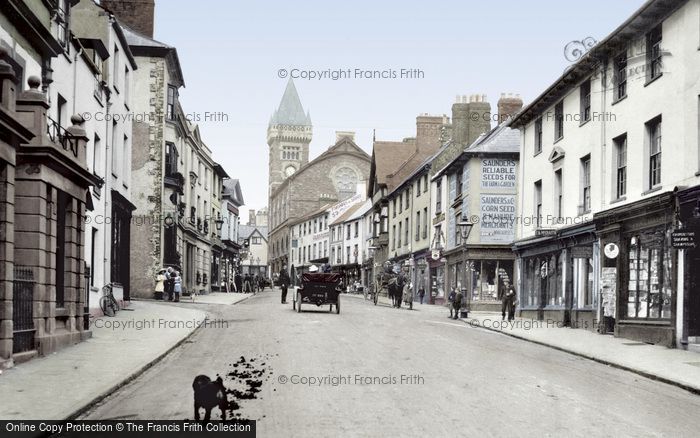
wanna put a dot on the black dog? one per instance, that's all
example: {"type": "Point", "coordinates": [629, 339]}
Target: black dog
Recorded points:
{"type": "Point", "coordinates": [208, 394]}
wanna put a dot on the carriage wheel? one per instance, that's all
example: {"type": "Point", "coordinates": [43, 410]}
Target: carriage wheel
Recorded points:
{"type": "Point", "coordinates": [298, 302]}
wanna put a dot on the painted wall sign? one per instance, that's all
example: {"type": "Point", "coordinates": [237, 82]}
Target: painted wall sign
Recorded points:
{"type": "Point", "coordinates": [498, 173]}
{"type": "Point", "coordinates": [497, 218]}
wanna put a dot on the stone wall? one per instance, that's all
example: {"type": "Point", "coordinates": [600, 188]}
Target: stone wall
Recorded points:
{"type": "Point", "coordinates": [147, 181]}
{"type": "Point", "coordinates": [37, 222]}
{"type": "Point", "coordinates": [7, 212]}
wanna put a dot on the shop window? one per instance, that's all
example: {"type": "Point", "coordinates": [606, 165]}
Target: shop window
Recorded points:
{"type": "Point", "coordinates": [553, 271]}
{"type": "Point", "coordinates": [583, 282]}
{"type": "Point", "coordinates": [649, 289]}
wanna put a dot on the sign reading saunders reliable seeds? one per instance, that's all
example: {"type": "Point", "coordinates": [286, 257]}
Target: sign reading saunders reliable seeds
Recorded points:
{"type": "Point", "coordinates": [498, 173]}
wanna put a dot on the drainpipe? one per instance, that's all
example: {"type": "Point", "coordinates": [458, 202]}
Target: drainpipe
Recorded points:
{"type": "Point", "coordinates": [107, 185]}
{"type": "Point", "coordinates": [75, 77]}
{"type": "Point", "coordinates": [603, 193]}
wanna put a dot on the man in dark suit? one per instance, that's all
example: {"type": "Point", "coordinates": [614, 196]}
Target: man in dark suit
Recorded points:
{"type": "Point", "coordinates": [508, 303]}
{"type": "Point", "coordinates": [457, 303]}
{"type": "Point", "coordinates": [284, 283]}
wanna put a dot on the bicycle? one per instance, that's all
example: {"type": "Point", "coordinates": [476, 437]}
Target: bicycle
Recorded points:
{"type": "Point", "coordinates": [108, 303]}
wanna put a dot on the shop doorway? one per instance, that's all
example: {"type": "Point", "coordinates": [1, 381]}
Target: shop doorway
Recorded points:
{"type": "Point", "coordinates": [693, 291]}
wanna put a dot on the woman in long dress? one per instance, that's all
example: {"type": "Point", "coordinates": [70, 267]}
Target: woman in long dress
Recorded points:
{"type": "Point", "coordinates": [160, 284]}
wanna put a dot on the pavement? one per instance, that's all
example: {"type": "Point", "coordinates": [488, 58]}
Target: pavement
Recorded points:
{"type": "Point", "coordinates": [378, 371]}
{"type": "Point", "coordinates": [61, 385]}
{"type": "Point", "coordinates": [669, 365]}
{"type": "Point", "coordinates": [419, 372]}
{"type": "Point", "coordinates": [216, 298]}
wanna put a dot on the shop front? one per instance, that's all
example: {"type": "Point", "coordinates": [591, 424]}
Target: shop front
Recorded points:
{"type": "Point", "coordinates": [640, 263]}
{"type": "Point", "coordinates": [488, 269]}
{"type": "Point", "coordinates": [687, 240]}
{"type": "Point", "coordinates": [420, 276]}
{"type": "Point", "coordinates": [558, 277]}
{"type": "Point", "coordinates": [436, 271]}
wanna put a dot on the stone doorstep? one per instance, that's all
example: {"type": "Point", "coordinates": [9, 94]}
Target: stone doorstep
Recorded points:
{"type": "Point", "coordinates": [24, 356]}
{"type": "Point", "coordinates": [6, 364]}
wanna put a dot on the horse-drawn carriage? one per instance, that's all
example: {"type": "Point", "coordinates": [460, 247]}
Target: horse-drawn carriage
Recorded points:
{"type": "Point", "coordinates": [394, 284]}
{"type": "Point", "coordinates": [319, 289]}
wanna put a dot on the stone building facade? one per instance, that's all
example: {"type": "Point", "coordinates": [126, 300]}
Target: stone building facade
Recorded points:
{"type": "Point", "coordinates": [156, 167]}
{"type": "Point", "coordinates": [45, 186]}
{"type": "Point", "coordinates": [299, 186]}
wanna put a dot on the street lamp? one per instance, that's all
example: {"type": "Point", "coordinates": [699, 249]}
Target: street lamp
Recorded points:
{"type": "Point", "coordinates": [465, 228]}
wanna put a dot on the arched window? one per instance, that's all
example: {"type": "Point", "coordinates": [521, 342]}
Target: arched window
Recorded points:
{"type": "Point", "coordinates": [346, 182]}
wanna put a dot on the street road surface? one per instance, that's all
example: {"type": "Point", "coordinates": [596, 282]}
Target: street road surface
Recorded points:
{"type": "Point", "coordinates": [379, 371]}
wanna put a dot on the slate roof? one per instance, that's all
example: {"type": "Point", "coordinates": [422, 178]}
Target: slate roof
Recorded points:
{"type": "Point", "coordinates": [290, 110]}
{"type": "Point", "coordinates": [501, 139]}
{"type": "Point", "coordinates": [232, 188]}
{"type": "Point", "coordinates": [245, 231]}
{"type": "Point", "coordinates": [141, 44]}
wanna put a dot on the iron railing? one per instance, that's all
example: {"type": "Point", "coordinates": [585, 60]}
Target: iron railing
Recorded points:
{"type": "Point", "coordinates": [22, 310]}
{"type": "Point", "coordinates": [59, 135]}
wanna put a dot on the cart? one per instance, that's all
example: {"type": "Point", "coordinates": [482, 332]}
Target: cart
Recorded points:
{"type": "Point", "coordinates": [318, 289]}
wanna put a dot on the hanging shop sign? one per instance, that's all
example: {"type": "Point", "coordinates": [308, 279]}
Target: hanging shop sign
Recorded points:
{"type": "Point", "coordinates": [611, 250]}
{"type": "Point", "coordinates": [684, 239]}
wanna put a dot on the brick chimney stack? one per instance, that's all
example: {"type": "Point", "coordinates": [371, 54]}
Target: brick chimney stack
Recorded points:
{"type": "Point", "coordinates": [136, 14]}
{"type": "Point", "coordinates": [508, 106]}
{"type": "Point", "coordinates": [471, 117]}
{"type": "Point", "coordinates": [429, 131]}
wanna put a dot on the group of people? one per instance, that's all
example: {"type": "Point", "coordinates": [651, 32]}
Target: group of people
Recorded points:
{"type": "Point", "coordinates": [168, 285]}
{"type": "Point", "coordinates": [253, 283]}
{"type": "Point", "coordinates": [454, 302]}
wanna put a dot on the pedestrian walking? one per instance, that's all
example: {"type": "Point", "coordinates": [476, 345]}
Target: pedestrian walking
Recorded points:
{"type": "Point", "coordinates": [238, 281]}
{"type": "Point", "coordinates": [451, 300]}
{"type": "Point", "coordinates": [284, 283]}
{"type": "Point", "coordinates": [421, 294]}
{"type": "Point", "coordinates": [457, 304]}
{"type": "Point", "coordinates": [508, 303]}
{"type": "Point", "coordinates": [234, 286]}
{"type": "Point", "coordinates": [160, 284]}
{"type": "Point", "coordinates": [246, 283]}
{"type": "Point", "coordinates": [177, 286]}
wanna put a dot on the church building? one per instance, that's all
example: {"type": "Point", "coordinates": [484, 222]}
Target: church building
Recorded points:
{"type": "Point", "coordinates": [299, 186]}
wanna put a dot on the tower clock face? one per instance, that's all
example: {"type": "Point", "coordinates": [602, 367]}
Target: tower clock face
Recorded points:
{"type": "Point", "coordinates": [289, 171]}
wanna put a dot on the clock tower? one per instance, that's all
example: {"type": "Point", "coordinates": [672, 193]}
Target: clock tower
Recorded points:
{"type": "Point", "coordinates": [288, 136]}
